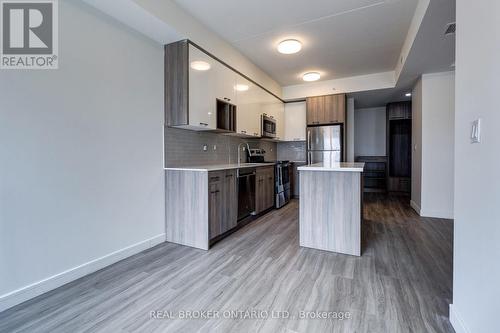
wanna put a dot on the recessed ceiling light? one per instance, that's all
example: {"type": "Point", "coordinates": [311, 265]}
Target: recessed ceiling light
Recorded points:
{"type": "Point", "coordinates": [289, 46]}
{"type": "Point", "coordinates": [408, 94]}
{"type": "Point", "coordinates": [311, 76]}
{"type": "Point", "coordinates": [199, 65]}
{"type": "Point", "coordinates": [241, 87]}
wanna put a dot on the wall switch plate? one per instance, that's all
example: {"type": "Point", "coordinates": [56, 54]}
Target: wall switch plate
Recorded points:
{"type": "Point", "coordinates": [205, 147]}
{"type": "Point", "coordinates": [475, 136]}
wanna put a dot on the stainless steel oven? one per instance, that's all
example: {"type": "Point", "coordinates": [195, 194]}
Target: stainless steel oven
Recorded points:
{"type": "Point", "coordinates": [268, 128]}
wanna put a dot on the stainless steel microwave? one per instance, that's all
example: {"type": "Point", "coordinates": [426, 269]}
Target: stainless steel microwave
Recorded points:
{"type": "Point", "coordinates": [268, 127]}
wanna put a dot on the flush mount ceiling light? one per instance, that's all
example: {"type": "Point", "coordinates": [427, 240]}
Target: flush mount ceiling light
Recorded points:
{"type": "Point", "coordinates": [241, 87]}
{"type": "Point", "coordinates": [199, 65]}
{"type": "Point", "coordinates": [311, 76]}
{"type": "Point", "coordinates": [408, 94]}
{"type": "Point", "coordinates": [289, 46]}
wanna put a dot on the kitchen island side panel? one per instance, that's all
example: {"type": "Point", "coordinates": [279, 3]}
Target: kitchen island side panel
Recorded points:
{"type": "Point", "coordinates": [330, 211]}
{"type": "Point", "coordinates": [186, 210]}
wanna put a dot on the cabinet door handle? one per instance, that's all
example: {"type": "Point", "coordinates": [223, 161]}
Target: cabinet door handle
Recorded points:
{"type": "Point", "coordinates": [244, 132]}
{"type": "Point", "coordinates": [203, 124]}
{"type": "Point", "coordinates": [213, 192]}
{"type": "Point", "coordinates": [214, 179]}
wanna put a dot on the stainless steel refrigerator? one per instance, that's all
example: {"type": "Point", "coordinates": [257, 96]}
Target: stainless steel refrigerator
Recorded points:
{"type": "Point", "coordinates": [324, 144]}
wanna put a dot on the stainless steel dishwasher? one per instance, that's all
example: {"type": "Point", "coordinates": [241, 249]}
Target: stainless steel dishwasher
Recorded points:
{"type": "Point", "coordinates": [246, 192]}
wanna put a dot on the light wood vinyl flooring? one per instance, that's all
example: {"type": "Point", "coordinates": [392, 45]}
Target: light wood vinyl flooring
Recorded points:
{"type": "Point", "coordinates": [401, 283]}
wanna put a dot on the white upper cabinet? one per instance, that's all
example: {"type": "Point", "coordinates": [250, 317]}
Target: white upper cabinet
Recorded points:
{"type": "Point", "coordinates": [248, 96]}
{"type": "Point", "coordinates": [202, 94]}
{"type": "Point", "coordinates": [195, 80]}
{"type": "Point", "coordinates": [295, 121]}
{"type": "Point", "coordinates": [225, 83]}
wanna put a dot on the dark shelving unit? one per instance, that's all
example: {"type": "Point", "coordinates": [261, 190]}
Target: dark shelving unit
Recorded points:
{"type": "Point", "coordinates": [375, 173]}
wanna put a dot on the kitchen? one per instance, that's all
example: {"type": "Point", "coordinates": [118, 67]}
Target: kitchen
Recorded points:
{"type": "Point", "coordinates": [205, 203]}
{"type": "Point", "coordinates": [191, 156]}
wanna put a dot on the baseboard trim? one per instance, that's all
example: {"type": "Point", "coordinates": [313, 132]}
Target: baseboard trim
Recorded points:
{"type": "Point", "coordinates": [415, 206]}
{"type": "Point", "coordinates": [38, 288]}
{"type": "Point", "coordinates": [437, 214]}
{"type": "Point", "coordinates": [456, 320]}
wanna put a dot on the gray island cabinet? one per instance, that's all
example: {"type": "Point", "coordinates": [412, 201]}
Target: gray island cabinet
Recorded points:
{"type": "Point", "coordinates": [331, 207]}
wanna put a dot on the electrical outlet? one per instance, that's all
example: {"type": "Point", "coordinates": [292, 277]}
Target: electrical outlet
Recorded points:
{"type": "Point", "coordinates": [205, 147]}
{"type": "Point", "coordinates": [475, 136]}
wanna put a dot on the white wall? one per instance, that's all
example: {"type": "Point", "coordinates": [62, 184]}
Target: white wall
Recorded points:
{"type": "Point", "coordinates": [433, 145]}
{"type": "Point", "coordinates": [370, 132]}
{"type": "Point", "coordinates": [416, 141]}
{"type": "Point", "coordinates": [476, 269]}
{"type": "Point", "coordinates": [81, 168]}
{"type": "Point", "coordinates": [438, 144]}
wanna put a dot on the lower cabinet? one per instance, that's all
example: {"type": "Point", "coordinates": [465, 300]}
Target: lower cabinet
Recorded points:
{"type": "Point", "coordinates": [264, 189]}
{"type": "Point", "coordinates": [201, 205]}
{"type": "Point", "coordinates": [222, 202]}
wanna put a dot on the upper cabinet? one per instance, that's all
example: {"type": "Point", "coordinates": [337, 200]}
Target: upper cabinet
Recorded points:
{"type": "Point", "coordinates": [324, 110]}
{"type": "Point", "coordinates": [225, 81]}
{"type": "Point", "coordinates": [202, 92]}
{"type": "Point", "coordinates": [195, 80]}
{"type": "Point", "coordinates": [295, 121]}
{"type": "Point", "coordinates": [248, 96]}
{"type": "Point", "coordinates": [399, 110]}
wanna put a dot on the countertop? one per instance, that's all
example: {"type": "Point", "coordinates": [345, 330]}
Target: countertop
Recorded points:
{"type": "Point", "coordinates": [340, 166]}
{"type": "Point", "coordinates": [218, 167]}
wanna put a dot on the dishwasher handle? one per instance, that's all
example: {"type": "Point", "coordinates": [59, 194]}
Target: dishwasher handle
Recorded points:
{"type": "Point", "coordinates": [246, 174]}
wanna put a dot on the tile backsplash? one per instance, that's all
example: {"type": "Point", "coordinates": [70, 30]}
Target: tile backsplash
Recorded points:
{"type": "Point", "coordinates": [292, 151]}
{"type": "Point", "coordinates": [185, 148]}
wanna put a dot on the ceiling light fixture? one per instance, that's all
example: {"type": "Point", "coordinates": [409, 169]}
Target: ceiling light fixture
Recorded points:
{"type": "Point", "coordinates": [241, 87]}
{"type": "Point", "coordinates": [408, 94]}
{"type": "Point", "coordinates": [289, 46]}
{"type": "Point", "coordinates": [200, 65]}
{"type": "Point", "coordinates": [311, 76]}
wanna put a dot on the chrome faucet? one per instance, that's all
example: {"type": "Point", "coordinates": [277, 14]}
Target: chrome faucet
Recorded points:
{"type": "Point", "coordinates": [239, 151]}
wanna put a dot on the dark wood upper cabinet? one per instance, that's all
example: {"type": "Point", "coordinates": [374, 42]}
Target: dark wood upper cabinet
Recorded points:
{"type": "Point", "coordinates": [324, 110]}
{"type": "Point", "coordinates": [399, 110]}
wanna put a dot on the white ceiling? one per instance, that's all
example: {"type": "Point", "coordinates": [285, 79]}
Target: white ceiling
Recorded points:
{"type": "Point", "coordinates": [431, 52]}
{"type": "Point", "coordinates": [341, 38]}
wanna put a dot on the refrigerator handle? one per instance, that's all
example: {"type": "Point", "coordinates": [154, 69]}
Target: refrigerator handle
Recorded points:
{"type": "Point", "coordinates": [308, 139]}
{"type": "Point", "coordinates": [309, 157]}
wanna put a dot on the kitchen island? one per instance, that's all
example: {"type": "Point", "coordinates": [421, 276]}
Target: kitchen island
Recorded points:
{"type": "Point", "coordinates": [331, 207]}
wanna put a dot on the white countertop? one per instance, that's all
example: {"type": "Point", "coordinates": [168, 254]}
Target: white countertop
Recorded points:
{"type": "Point", "coordinates": [218, 167]}
{"type": "Point", "coordinates": [339, 166]}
